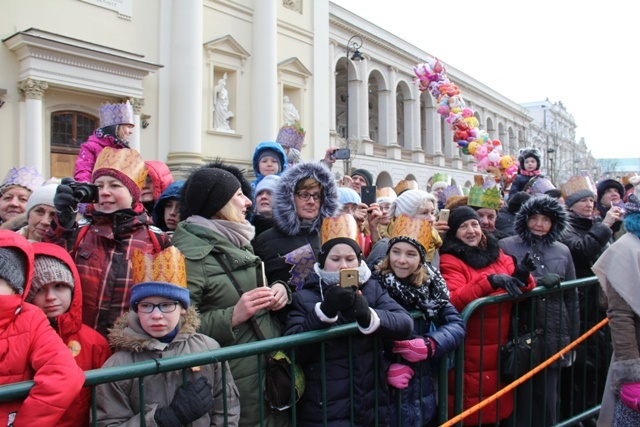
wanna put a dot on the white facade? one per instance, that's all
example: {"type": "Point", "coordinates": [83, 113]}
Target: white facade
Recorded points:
{"type": "Point", "coordinates": [166, 56]}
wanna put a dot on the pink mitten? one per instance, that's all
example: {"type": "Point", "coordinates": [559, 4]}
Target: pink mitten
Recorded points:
{"type": "Point", "coordinates": [630, 395]}
{"type": "Point", "coordinates": [413, 350]}
{"type": "Point", "coordinates": [399, 375]}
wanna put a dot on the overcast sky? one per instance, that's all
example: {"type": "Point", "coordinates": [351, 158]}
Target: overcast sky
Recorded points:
{"type": "Point", "coordinates": [583, 53]}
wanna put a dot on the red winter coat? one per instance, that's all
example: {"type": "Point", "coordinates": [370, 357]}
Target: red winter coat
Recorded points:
{"type": "Point", "coordinates": [465, 270]}
{"type": "Point", "coordinates": [160, 176]}
{"type": "Point", "coordinates": [89, 348]}
{"type": "Point", "coordinates": [31, 350]}
{"type": "Point", "coordinates": [103, 257]}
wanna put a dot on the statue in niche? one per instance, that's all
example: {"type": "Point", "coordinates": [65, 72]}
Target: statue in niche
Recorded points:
{"type": "Point", "coordinates": [290, 113]}
{"type": "Point", "coordinates": [221, 113]}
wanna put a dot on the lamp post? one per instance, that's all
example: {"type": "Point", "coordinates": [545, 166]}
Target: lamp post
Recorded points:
{"type": "Point", "coordinates": [354, 43]}
{"type": "Point", "coordinates": [550, 151]}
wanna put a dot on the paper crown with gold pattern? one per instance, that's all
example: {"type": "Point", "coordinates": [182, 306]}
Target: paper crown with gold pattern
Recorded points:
{"type": "Point", "coordinates": [412, 230]}
{"type": "Point", "coordinates": [27, 177]}
{"type": "Point", "coordinates": [404, 185]}
{"type": "Point", "coordinates": [481, 198]}
{"type": "Point", "coordinates": [385, 195]}
{"type": "Point", "coordinates": [291, 136]}
{"type": "Point", "coordinates": [576, 184]}
{"type": "Point", "coordinates": [163, 275]}
{"type": "Point", "coordinates": [341, 226]}
{"type": "Point", "coordinates": [440, 180]}
{"type": "Point", "coordinates": [116, 114]}
{"type": "Point", "coordinates": [124, 164]}
{"type": "Point", "coordinates": [540, 185]}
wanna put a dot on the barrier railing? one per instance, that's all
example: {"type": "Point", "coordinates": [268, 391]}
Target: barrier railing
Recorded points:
{"type": "Point", "coordinates": [143, 369]}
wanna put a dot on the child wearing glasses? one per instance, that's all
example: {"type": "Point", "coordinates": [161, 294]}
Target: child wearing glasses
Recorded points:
{"type": "Point", "coordinates": [162, 324]}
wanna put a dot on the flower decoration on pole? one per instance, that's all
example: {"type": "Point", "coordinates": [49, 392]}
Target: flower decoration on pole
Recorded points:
{"type": "Point", "coordinates": [431, 76]}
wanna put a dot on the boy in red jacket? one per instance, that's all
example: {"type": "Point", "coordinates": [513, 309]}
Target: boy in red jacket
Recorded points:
{"type": "Point", "coordinates": [29, 348]}
{"type": "Point", "coordinates": [56, 289]}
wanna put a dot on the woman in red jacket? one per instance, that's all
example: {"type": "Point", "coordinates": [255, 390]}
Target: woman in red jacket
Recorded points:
{"type": "Point", "coordinates": [57, 290]}
{"type": "Point", "coordinates": [474, 266]}
{"type": "Point", "coordinates": [29, 348]}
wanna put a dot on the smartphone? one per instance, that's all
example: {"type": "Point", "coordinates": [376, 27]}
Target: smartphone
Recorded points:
{"type": "Point", "coordinates": [349, 277]}
{"type": "Point", "coordinates": [342, 154]}
{"type": "Point", "coordinates": [444, 215]}
{"type": "Point", "coordinates": [368, 194]}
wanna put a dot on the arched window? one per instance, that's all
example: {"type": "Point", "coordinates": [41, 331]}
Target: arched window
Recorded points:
{"type": "Point", "coordinates": [69, 129]}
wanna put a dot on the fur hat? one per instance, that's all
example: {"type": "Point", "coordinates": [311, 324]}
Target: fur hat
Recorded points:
{"type": "Point", "coordinates": [409, 202]}
{"type": "Point", "coordinates": [606, 184]}
{"type": "Point", "coordinates": [41, 196]}
{"type": "Point", "coordinates": [268, 183]}
{"type": "Point", "coordinates": [525, 153]}
{"type": "Point", "coordinates": [458, 216]}
{"type": "Point", "coordinates": [210, 187]}
{"type": "Point", "coordinates": [542, 205]}
{"type": "Point", "coordinates": [12, 268]}
{"type": "Point", "coordinates": [46, 270]}
{"type": "Point", "coordinates": [365, 174]}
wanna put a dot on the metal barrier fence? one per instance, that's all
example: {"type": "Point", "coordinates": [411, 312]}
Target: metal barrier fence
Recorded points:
{"type": "Point", "coordinates": [579, 408]}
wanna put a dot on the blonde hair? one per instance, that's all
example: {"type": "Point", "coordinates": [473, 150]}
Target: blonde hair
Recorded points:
{"type": "Point", "coordinates": [230, 213]}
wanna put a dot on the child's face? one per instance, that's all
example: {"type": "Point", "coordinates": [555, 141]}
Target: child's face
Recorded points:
{"type": "Point", "coordinates": [5, 288]}
{"type": "Point", "coordinates": [125, 132]}
{"type": "Point", "coordinates": [54, 299]}
{"type": "Point", "coordinates": [112, 195]}
{"type": "Point", "coordinates": [159, 324]}
{"type": "Point", "coordinates": [404, 259]}
{"type": "Point", "coordinates": [172, 214]}
{"type": "Point", "coordinates": [146, 194]}
{"type": "Point", "coordinates": [268, 166]}
{"type": "Point", "coordinates": [530, 164]}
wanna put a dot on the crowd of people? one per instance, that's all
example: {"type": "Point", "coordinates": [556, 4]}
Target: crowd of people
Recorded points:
{"type": "Point", "coordinates": [122, 264]}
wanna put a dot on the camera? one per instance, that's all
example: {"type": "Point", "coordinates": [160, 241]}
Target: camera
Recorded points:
{"type": "Point", "coordinates": [84, 192]}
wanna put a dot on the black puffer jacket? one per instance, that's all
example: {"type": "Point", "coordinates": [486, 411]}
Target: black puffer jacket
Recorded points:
{"type": "Point", "coordinates": [558, 312]}
{"type": "Point", "coordinates": [395, 324]}
{"type": "Point", "coordinates": [289, 232]}
{"type": "Point", "coordinates": [586, 239]}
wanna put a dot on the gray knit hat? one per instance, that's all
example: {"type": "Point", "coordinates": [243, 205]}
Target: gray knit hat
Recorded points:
{"type": "Point", "coordinates": [46, 270]}
{"type": "Point", "coordinates": [12, 268]}
{"type": "Point", "coordinates": [577, 196]}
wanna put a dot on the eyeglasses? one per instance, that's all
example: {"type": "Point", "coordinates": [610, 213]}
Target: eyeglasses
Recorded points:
{"type": "Point", "coordinates": [305, 196]}
{"type": "Point", "coordinates": [164, 307]}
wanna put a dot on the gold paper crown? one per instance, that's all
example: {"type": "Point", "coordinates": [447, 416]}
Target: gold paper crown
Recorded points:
{"type": "Point", "coordinates": [416, 229]}
{"type": "Point", "coordinates": [167, 266]}
{"type": "Point", "coordinates": [404, 185]}
{"type": "Point", "coordinates": [489, 198]}
{"type": "Point", "coordinates": [386, 192]}
{"type": "Point", "coordinates": [125, 160]}
{"type": "Point", "coordinates": [578, 183]}
{"type": "Point", "coordinates": [339, 226]}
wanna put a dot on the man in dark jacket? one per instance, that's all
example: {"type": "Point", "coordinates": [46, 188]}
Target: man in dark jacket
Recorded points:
{"type": "Point", "coordinates": [507, 214]}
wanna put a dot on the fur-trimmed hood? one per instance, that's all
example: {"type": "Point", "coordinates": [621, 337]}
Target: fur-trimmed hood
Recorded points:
{"type": "Point", "coordinates": [284, 213]}
{"type": "Point", "coordinates": [128, 335]}
{"type": "Point", "coordinates": [474, 256]}
{"type": "Point", "coordinates": [543, 205]}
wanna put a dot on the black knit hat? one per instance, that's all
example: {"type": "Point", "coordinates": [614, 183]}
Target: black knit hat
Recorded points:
{"type": "Point", "coordinates": [365, 174]}
{"type": "Point", "coordinates": [458, 216]}
{"type": "Point", "coordinates": [329, 244]}
{"type": "Point", "coordinates": [208, 189]}
{"type": "Point", "coordinates": [606, 184]}
{"type": "Point", "coordinates": [516, 200]}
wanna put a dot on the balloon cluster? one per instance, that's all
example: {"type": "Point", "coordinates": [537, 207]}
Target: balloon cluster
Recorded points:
{"type": "Point", "coordinates": [432, 77]}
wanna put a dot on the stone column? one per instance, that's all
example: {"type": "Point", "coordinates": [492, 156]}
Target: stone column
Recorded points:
{"type": "Point", "coordinates": [264, 73]}
{"type": "Point", "coordinates": [137, 104]}
{"type": "Point", "coordinates": [392, 113]}
{"type": "Point", "coordinates": [185, 88]}
{"type": "Point", "coordinates": [363, 101]}
{"type": "Point", "coordinates": [33, 91]}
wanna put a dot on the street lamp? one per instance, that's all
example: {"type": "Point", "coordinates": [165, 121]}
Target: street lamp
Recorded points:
{"type": "Point", "coordinates": [550, 151]}
{"type": "Point", "coordinates": [354, 43]}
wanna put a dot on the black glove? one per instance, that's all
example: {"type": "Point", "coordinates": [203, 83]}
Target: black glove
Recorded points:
{"type": "Point", "coordinates": [190, 403]}
{"type": "Point", "coordinates": [66, 205]}
{"type": "Point", "coordinates": [337, 298]}
{"type": "Point", "coordinates": [508, 283]}
{"type": "Point", "coordinates": [523, 268]}
{"type": "Point", "coordinates": [550, 280]}
{"type": "Point", "coordinates": [359, 311]}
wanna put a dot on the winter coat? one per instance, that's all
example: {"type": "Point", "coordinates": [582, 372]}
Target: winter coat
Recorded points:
{"type": "Point", "coordinates": [289, 231]}
{"type": "Point", "coordinates": [505, 220]}
{"type": "Point", "coordinates": [586, 240]}
{"type": "Point", "coordinates": [557, 313]}
{"type": "Point", "coordinates": [88, 154]}
{"type": "Point", "coordinates": [465, 269]}
{"type": "Point", "coordinates": [172, 192]}
{"type": "Point", "coordinates": [519, 182]}
{"type": "Point", "coordinates": [395, 324]}
{"type": "Point", "coordinates": [447, 330]}
{"type": "Point", "coordinates": [161, 177]}
{"type": "Point", "coordinates": [89, 348]}
{"type": "Point", "coordinates": [103, 257]}
{"type": "Point", "coordinates": [31, 350]}
{"type": "Point", "coordinates": [282, 157]}
{"type": "Point", "coordinates": [214, 296]}
{"type": "Point", "coordinates": [119, 402]}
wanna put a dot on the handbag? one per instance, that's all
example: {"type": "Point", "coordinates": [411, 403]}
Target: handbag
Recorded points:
{"type": "Point", "coordinates": [522, 352]}
{"type": "Point", "coordinates": [280, 377]}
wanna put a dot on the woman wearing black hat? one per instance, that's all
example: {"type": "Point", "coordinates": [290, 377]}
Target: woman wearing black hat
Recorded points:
{"type": "Point", "coordinates": [474, 266]}
{"type": "Point", "coordinates": [215, 237]}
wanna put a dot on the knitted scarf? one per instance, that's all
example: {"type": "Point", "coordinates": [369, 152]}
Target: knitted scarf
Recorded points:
{"type": "Point", "coordinates": [529, 173]}
{"type": "Point", "coordinates": [238, 233]}
{"type": "Point", "coordinates": [429, 297]}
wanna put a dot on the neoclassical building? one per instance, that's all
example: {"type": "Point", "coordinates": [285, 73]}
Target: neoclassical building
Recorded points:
{"type": "Point", "coordinates": [62, 59]}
